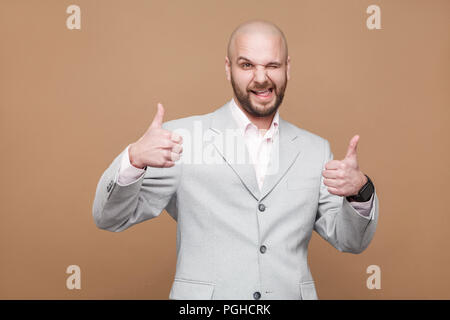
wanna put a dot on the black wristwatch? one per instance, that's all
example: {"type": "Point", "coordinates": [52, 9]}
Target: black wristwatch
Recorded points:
{"type": "Point", "coordinates": [365, 193]}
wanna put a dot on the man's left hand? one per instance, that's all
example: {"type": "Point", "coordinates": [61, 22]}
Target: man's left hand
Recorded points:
{"type": "Point", "coordinates": [343, 177]}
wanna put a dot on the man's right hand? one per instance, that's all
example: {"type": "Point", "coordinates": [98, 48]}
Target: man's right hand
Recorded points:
{"type": "Point", "coordinates": [157, 147]}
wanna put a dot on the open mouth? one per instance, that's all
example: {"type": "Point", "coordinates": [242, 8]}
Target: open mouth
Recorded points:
{"type": "Point", "coordinates": [266, 93]}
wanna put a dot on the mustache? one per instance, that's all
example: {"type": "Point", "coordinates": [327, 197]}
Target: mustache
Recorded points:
{"type": "Point", "coordinates": [262, 87]}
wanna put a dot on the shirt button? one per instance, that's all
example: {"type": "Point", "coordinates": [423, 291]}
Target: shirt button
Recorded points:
{"type": "Point", "coordinates": [108, 188]}
{"type": "Point", "coordinates": [263, 249]}
{"type": "Point", "coordinates": [261, 207]}
{"type": "Point", "coordinates": [257, 295]}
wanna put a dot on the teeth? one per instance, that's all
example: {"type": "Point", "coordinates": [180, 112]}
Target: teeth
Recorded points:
{"type": "Point", "coordinates": [262, 93]}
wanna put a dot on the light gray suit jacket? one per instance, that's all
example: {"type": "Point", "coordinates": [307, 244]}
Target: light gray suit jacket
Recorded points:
{"type": "Point", "coordinates": [223, 219]}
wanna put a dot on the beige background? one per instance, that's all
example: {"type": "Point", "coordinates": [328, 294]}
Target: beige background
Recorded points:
{"type": "Point", "coordinates": [71, 100]}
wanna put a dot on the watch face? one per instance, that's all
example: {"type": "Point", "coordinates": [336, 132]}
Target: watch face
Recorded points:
{"type": "Point", "coordinates": [367, 191]}
{"type": "Point", "coordinates": [364, 194]}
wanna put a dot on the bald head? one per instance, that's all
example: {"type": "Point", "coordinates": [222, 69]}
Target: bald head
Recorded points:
{"type": "Point", "coordinates": [256, 28]}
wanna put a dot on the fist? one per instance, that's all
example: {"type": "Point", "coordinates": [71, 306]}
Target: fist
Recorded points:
{"type": "Point", "coordinates": [158, 147]}
{"type": "Point", "coordinates": [343, 177]}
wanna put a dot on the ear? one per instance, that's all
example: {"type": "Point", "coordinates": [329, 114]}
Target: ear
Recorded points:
{"type": "Point", "coordinates": [288, 67]}
{"type": "Point", "coordinates": [228, 68]}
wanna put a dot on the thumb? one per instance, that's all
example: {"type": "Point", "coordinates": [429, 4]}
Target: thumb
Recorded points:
{"type": "Point", "coordinates": [351, 151]}
{"type": "Point", "coordinates": [158, 119]}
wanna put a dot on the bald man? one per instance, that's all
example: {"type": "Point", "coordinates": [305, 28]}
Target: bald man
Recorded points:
{"type": "Point", "coordinates": [246, 187]}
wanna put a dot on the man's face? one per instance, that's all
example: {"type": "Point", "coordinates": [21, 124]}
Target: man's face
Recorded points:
{"type": "Point", "coordinates": [258, 72]}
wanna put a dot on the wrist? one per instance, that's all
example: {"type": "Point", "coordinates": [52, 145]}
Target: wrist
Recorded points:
{"type": "Point", "coordinates": [133, 158]}
{"type": "Point", "coordinates": [364, 180]}
{"type": "Point", "coordinates": [365, 192]}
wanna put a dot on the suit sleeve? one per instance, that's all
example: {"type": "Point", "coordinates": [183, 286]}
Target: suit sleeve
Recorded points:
{"type": "Point", "coordinates": [338, 222]}
{"type": "Point", "coordinates": [117, 207]}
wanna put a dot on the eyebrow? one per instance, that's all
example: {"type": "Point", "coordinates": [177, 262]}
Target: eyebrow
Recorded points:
{"type": "Point", "coordinates": [246, 59]}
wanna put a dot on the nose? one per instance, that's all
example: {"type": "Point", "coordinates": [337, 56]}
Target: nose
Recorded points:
{"type": "Point", "coordinates": [260, 75]}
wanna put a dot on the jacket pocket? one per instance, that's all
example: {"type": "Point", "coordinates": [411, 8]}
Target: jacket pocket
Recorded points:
{"type": "Point", "coordinates": [308, 290]}
{"type": "Point", "coordinates": [183, 289]}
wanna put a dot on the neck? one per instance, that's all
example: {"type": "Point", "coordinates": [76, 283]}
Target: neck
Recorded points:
{"type": "Point", "coordinates": [263, 123]}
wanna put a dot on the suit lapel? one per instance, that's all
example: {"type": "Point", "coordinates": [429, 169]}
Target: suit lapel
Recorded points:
{"type": "Point", "coordinates": [284, 152]}
{"type": "Point", "coordinates": [224, 126]}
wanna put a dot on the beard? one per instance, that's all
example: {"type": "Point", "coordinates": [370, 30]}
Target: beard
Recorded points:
{"type": "Point", "coordinates": [244, 98]}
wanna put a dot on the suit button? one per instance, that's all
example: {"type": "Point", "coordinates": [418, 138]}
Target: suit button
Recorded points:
{"type": "Point", "coordinates": [257, 295]}
{"type": "Point", "coordinates": [261, 207]}
{"type": "Point", "coordinates": [263, 249]}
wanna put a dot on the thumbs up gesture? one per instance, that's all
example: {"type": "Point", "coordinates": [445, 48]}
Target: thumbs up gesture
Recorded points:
{"type": "Point", "coordinates": [343, 177]}
{"type": "Point", "coordinates": [157, 147]}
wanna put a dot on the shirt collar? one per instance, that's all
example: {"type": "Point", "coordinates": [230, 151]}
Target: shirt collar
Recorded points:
{"type": "Point", "coordinates": [245, 124]}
